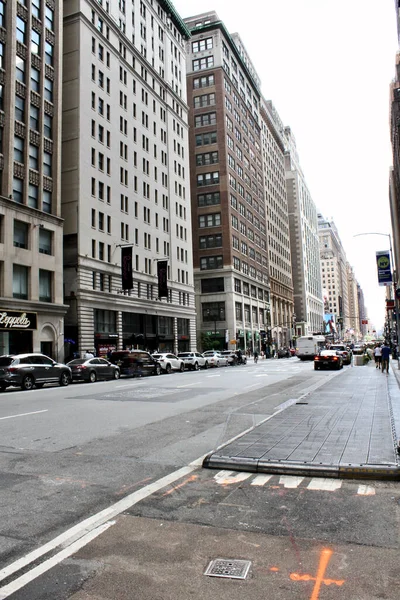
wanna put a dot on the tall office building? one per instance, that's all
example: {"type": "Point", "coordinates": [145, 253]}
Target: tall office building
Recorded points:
{"type": "Point", "coordinates": [125, 176]}
{"type": "Point", "coordinates": [228, 208]}
{"type": "Point", "coordinates": [354, 331]}
{"type": "Point", "coordinates": [334, 274]}
{"type": "Point", "coordinates": [303, 224]}
{"type": "Point", "coordinates": [283, 318]}
{"type": "Point", "coordinates": [31, 280]}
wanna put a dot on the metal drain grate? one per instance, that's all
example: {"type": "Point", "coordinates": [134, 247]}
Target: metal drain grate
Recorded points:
{"type": "Point", "coordinates": [224, 567]}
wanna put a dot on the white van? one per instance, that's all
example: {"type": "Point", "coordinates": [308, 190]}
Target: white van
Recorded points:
{"type": "Point", "coordinates": [307, 346]}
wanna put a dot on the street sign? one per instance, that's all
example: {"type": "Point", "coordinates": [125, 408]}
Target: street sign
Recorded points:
{"type": "Point", "coordinates": [383, 266]}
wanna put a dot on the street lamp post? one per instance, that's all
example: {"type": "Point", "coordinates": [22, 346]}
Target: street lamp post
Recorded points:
{"type": "Point", "coordinates": [396, 300]}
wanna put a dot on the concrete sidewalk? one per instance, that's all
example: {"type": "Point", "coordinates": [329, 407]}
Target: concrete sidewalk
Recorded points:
{"type": "Point", "coordinates": [349, 427]}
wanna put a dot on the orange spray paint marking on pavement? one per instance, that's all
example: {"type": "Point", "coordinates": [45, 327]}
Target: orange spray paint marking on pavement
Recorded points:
{"type": "Point", "coordinates": [319, 579]}
{"type": "Point", "coordinates": [176, 487]}
{"type": "Point", "coordinates": [274, 569]}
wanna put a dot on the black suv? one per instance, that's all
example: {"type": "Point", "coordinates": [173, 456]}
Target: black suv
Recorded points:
{"type": "Point", "coordinates": [29, 370]}
{"type": "Point", "coordinates": [134, 363]}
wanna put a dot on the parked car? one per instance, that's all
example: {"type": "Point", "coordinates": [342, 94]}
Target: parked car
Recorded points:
{"type": "Point", "coordinates": [169, 362]}
{"type": "Point", "coordinates": [215, 359]}
{"type": "Point", "coordinates": [135, 363]}
{"type": "Point", "coordinates": [283, 353]}
{"type": "Point", "coordinates": [344, 352]}
{"type": "Point", "coordinates": [231, 356]}
{"type": "Point", "coordinates": [29, 370]}
{"type": "Point", "coordinates": [193, 360]}
{"type": "Point", "coordinates": [92, 369]}
{"type": "Point", "coordinates": [328, 359]}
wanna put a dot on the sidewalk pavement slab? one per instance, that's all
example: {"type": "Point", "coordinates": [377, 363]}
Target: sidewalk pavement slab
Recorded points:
{"type": "Point", "coordinates": [349, 427]}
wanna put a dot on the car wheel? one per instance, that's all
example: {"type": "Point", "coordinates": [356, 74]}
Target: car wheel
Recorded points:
{"type": "Point", "coordinates": [116, 374]}
{"type": "Point", "coordinates": [64, 379]}
{"type": "Point", "coordinates": [196, 366]}
{"type": "Point", "coordinates": [206, 365]}
{"type": "Point", "coordinates": [316, 368]}
{"type": "Point", "coordinates": [39, 386]}
{"type": "Point", "coordinates": [2, 387]}
{"type": "Point", "coordinates": [92, 377]}
{"type": "Point", "coordinates": [168, 369]}
{"type": "Point", "coordinates": [217, 365]}
{"type": "Point", "coordinates": [157, 370]}
{"type": "Point", "coordinates": [182, 367]}
{"type": "Point", "coordinates": [28, 382]}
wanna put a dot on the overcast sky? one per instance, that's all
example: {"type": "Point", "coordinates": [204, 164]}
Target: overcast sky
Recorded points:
{"type": "Point", "coordinates": [327, 67]}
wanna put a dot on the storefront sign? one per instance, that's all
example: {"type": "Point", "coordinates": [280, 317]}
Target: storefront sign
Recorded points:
{"type": "Point", "coordinates": [11, 319]}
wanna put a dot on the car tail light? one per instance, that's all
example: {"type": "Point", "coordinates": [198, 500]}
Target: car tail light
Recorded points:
{"type": "Point", "coordinates": [335, 358]}
{"type": "Point", "coordinates": [12, 369]}
{"type": "Point", "coordinates": [316, 358]}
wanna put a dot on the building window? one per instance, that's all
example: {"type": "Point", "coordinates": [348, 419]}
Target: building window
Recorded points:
{"type": "Point", "coordinates": [36, 8]}
{"type": "Point", "coordinates": [45, 281]}
{"type": "Point", "coordinates": [210, 286]}
{"type": "Point", "coordinates": [205, 119]}
{"type": "Point", "coordinates": [47, 126]}
{"type": "Point", "coordinates": [210, 241]}
{"type": "Point", "coordinates": [21, 26]}
{"type": "Point", "coordinates": [21, 234]}
{"type": "Point", "coordinates": [105, 321]}
{"type": "Point", "coordinates": [48, 53]}
{"type": "Point", "coordinates": [18, 149]}
{"type": "Point", "coordinates": [35, 80]}
{"type": "Point", "coordinates": [203, 63]}
{"type": "Point", "coordinates": [204, 139]}
{"type": "Point", "coordinates": [35, 42]}
{"type": "Point", "coordinates": [34, 117]}
{"type": "Point", "coordinates": [208, 179]}
{"type": "Point", "coordinates": [213, 311]}
{"type": "Point", "coordinates": [47, 163]}
{"type": "Point", "coordinates": [20, 69]}
{"type": "Point", "coordinates": [202, 45]}
{"type": "Point", "coordinates": [33, 157]}
{"type": "Point", "coordinates": [2, 14]}
{"type": "Point", "coordinates": [49, 18]}
{"type": "Point", "coordinates": [208, 199]}
{"type": "Point", "coordinates": [48, 89]}
{"type": "Point", "coordinates": [33, 196]}
{"type": "Point", "coordinates": [212, 220]}
{"type": "Point", "coordinates": [45, 241]}
{"type": "Point", "coordinates": [20, 282]}
{"type": "Point", "coordinates": [18, 190]}
{"type": "Point", "coordinates": [211, 262]}
{"type": "Point", "coordinates": [1, 54]}
{"type": "Point", "coordinates": [19, 108]}
{"type": "Point", "coordinates": [46, 201]}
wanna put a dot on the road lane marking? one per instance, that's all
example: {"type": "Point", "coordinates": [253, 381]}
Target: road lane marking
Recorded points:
{"type": "Point", "coordinates": [324, 484]}
{"type": "Point", "coordinates": [187, 384]}
{"type": "Point", "coordinates": [78, 531]}
{"type": "Point", "coordinates": [290, 481]}
{"type": "Point", "coordinates": [213, 375]}
{"type": "Point", "coordinates": [366, 490]}
{"type": "Point", "coordinates": [19, 583]}
{"type": "Point", "coordinates": [36, 412]}
{"type": "Point", "coordinates": [261, 479]}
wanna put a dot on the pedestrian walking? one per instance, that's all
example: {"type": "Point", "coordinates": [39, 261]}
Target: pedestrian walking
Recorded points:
{"type": "Point", "coordinates": [385, 358]}
{"type": "Point", "coordinates": [378, 357]}
{"type": "Point", "coordinates": [89, 354]}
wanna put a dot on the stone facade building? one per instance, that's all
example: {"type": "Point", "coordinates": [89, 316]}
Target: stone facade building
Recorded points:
{"type": "Point", "coordinates": [31, 228]}
{"type": "Point", "coordinates": [125, 176]}
{"type": "Point", "coordinates": [303, 225]}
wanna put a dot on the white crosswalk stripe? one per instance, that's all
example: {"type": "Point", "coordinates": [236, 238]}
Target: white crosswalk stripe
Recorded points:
{"type": "Point", "coordinates": [321, 484]}
{"type": "Point", "coordinates": [261, 479]}
{"type": "Point", "coordinates": [324, 484]}
{"type": "Point", "coordinates": [289, 481]}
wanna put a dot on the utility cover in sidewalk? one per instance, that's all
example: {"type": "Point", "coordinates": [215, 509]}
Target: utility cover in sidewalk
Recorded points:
{"type": "Point", "coordinates": [224, 567]}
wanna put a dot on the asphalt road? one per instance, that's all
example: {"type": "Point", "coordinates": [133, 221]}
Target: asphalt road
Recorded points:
{"type": "Point", "coordinates": [69, 453]}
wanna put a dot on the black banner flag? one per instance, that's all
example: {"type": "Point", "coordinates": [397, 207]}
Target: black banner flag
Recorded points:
{"type": "Point", "coordinates": [126, 268]}
{"type": "Point", "coordinates": [162, 274]}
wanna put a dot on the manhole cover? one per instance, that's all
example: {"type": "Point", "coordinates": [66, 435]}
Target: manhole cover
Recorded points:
{"type": "Point", "coordinates": [223, 567]}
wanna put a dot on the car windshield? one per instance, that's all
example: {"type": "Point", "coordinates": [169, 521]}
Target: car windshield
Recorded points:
{"type": "Point", "coordinates": [328, 353]}
{"type": "Point", "coordinates": [5, 361]}
{"type": "Point", "coordinates": [185, 355]}
{"type": "Point", "coordinates": [77, 361]}
{"type": "Point", "coordinates": [158, 355]}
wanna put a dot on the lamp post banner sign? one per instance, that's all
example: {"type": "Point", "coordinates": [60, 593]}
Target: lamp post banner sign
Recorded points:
{"type": "Point", "coordinates": [383, 266]}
